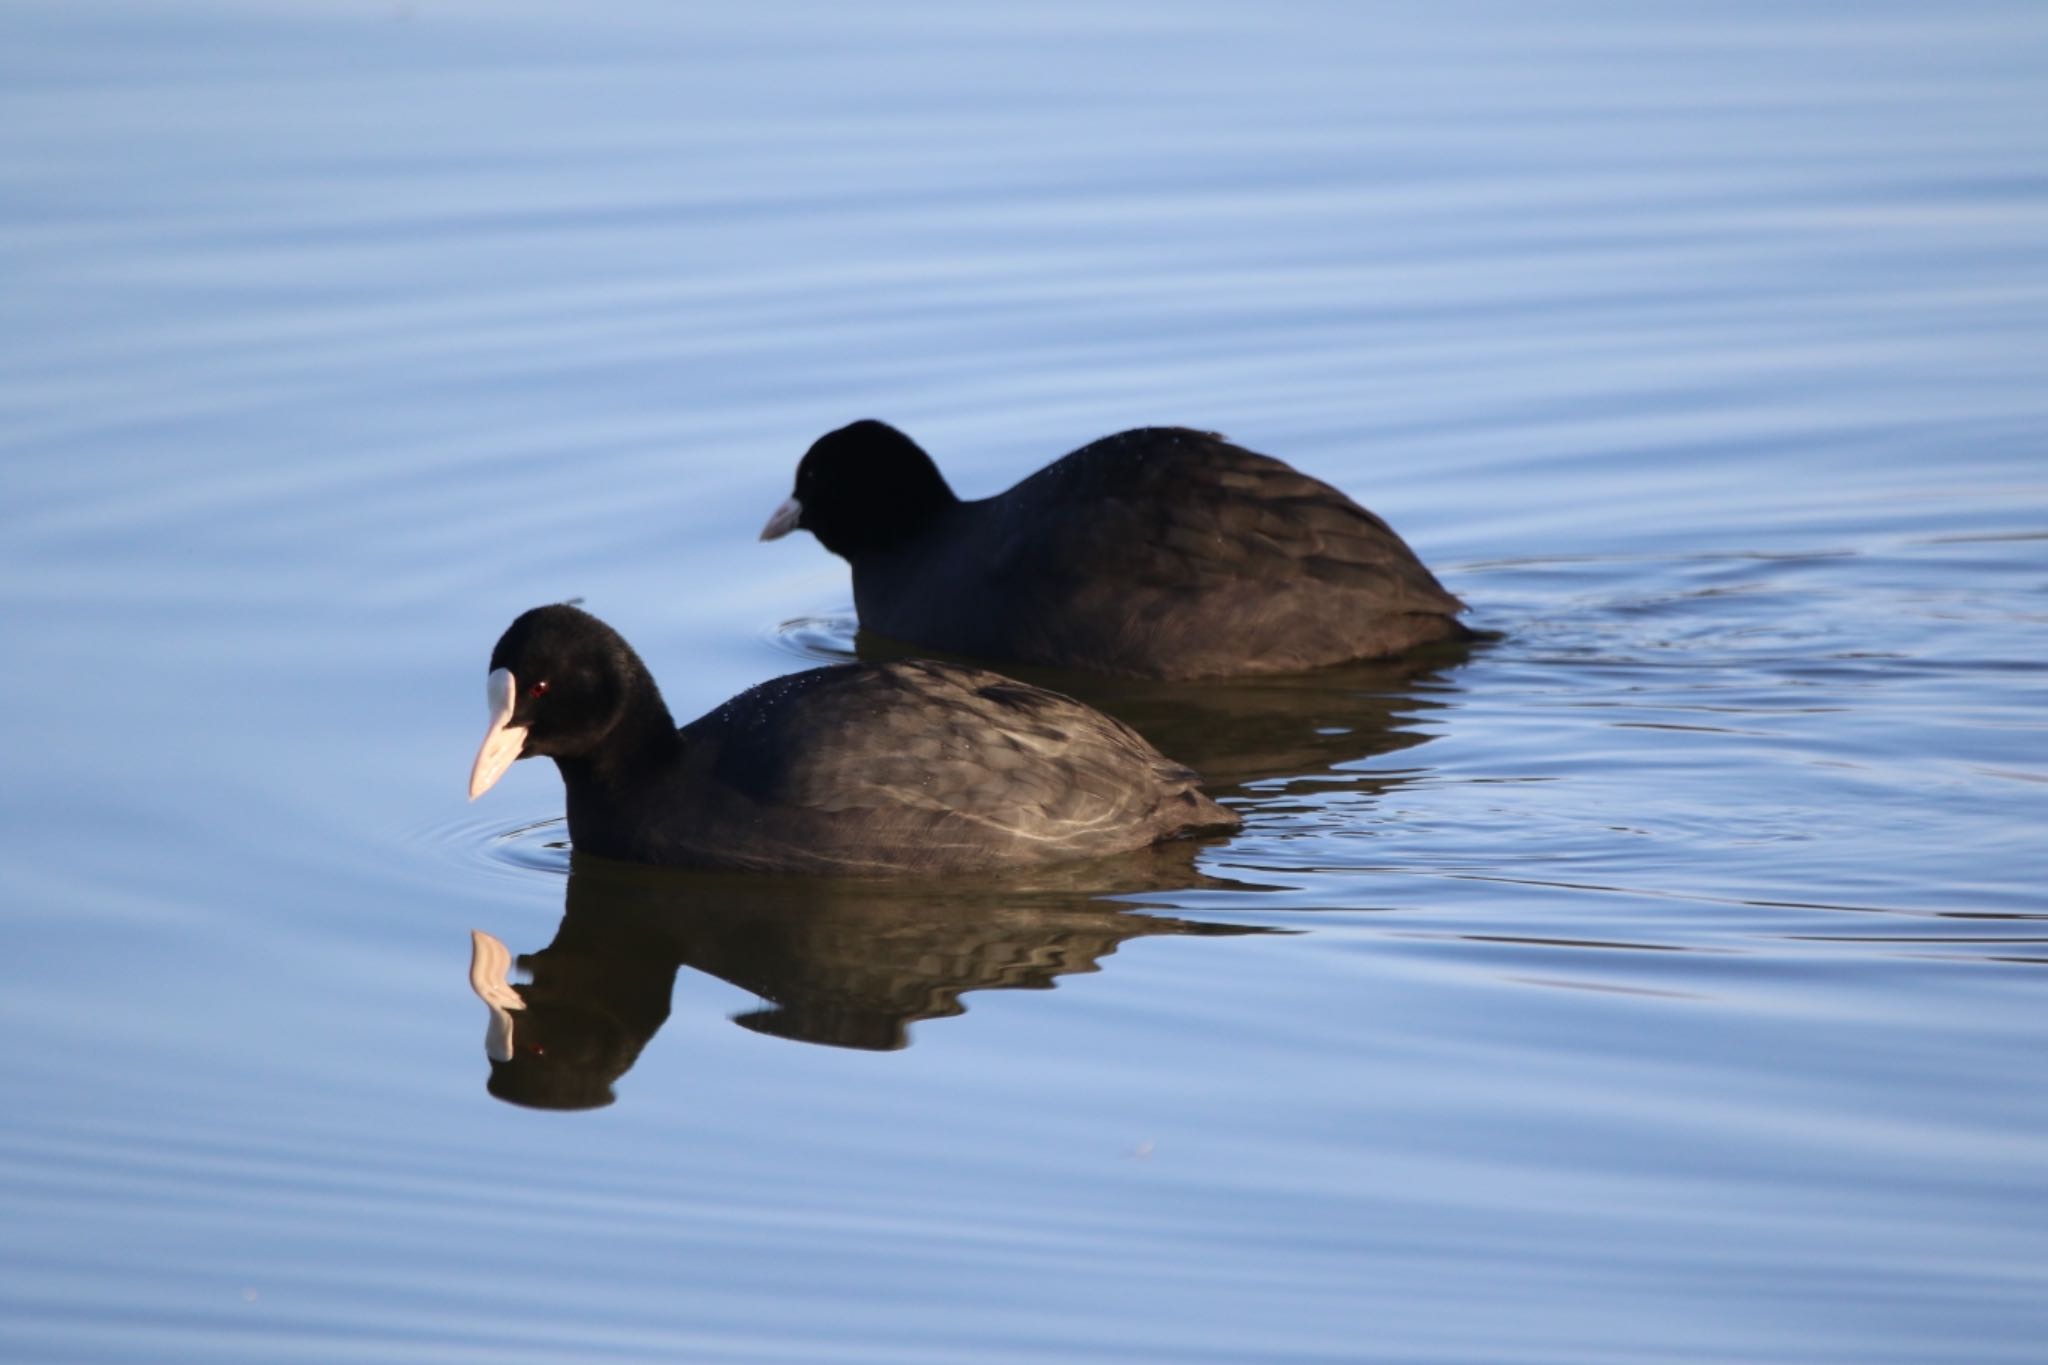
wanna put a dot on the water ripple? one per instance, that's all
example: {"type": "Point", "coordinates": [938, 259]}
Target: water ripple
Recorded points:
{"type": "Point", "coordinates": [535, 846]}
{"type": "Point", "coordinates": [822, 639]}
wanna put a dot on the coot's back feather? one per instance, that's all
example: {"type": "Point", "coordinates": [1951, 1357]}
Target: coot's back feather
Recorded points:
{"type": "Point", "coordinates": [1179, 508]}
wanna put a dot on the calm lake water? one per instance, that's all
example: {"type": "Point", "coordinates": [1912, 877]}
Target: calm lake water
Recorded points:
{"type": "Point", "coordinates": [1663, 981]}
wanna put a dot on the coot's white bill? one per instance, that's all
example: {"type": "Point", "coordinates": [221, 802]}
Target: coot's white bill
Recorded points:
{"type": "Point", "coordinates": [502, 740]}
{"type": "Point", "coordinates": [784, 521]}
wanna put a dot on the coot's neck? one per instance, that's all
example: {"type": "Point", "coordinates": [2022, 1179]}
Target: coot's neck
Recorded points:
{"type": "Point", "coordinates": [606, 781]}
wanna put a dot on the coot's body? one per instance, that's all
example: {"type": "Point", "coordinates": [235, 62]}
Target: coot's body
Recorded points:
{"type": "Point", "coordinates": [1162, 552]}
{"type": "Point", "coordinates": [911, 767]}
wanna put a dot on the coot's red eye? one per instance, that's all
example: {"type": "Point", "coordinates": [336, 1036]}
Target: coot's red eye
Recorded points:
{"type": "Point", "coordinates": [539, 689]}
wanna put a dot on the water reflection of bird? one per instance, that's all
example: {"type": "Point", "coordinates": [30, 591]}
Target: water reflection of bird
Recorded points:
{"type": "Point", "coordinates": [844, 964]}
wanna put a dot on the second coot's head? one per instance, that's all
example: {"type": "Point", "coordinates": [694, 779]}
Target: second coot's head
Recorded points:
{"type": "Point", "coordinates": [862, 488]}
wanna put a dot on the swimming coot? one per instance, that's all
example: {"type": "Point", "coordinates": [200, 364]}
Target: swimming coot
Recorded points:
{"type": "Point", "coordinates": [1162, 553]}
{"type": "Point", "coordinates": [865, 769]}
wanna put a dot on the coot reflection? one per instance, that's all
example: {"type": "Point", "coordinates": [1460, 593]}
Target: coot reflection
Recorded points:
{"type": "Point", "coordinates": [841, 964]}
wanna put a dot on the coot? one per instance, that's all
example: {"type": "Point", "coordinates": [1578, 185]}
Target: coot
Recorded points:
{"type": "Point", "coordinates": [1162, 552]}
{"type": "Point", "coordinates": [864, 769]}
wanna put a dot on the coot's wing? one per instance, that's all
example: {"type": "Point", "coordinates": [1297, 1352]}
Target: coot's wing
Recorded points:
{"type": "Point", "coordinates": [916, 735]}
{"type": "Point", "coordinates": [1173, 508]}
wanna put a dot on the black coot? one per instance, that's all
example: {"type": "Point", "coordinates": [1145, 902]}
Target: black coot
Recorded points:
{"type": "Point", "coordinates": [1161, 553]}
{"type": "Point", "coordinates": [856, 769]}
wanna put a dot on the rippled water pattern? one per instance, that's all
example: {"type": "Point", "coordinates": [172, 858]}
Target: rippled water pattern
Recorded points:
{"type": "Point", "coordinates": [1662, 980]}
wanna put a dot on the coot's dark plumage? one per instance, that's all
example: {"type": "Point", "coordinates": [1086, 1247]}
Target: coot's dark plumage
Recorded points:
{"type": "Point", "coordinates": [856, 769]}
{"type": "Point", "coordinates": [1161, 552]}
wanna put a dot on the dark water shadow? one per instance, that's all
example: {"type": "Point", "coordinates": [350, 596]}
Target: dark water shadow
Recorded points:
{"type": "Point", "coordinates": [1237, 731]}
{"type": "Point", "coordinates": [842, 964]}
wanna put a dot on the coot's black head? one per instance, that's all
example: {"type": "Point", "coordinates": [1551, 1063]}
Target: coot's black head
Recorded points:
{"type": "Point", "coordinates": [561, 682]}
{"type": "Point", "coordinates": [863, 487]}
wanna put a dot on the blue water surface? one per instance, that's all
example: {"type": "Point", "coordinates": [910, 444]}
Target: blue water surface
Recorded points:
{"type": "Point", "coordinates": [1663, 981]}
